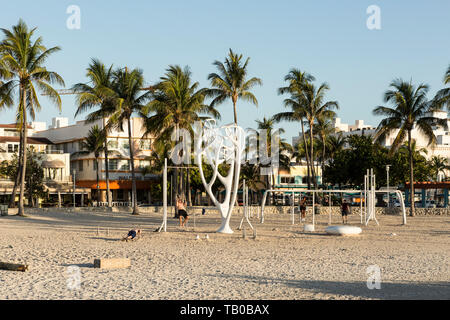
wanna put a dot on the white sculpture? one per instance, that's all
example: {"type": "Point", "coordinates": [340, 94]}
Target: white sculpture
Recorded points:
{"type": "Point", "coordinates": [221, 145]}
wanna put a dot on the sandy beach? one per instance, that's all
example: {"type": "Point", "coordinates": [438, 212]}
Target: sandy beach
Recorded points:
{"type": "Point", "coordinates": [282, 262]}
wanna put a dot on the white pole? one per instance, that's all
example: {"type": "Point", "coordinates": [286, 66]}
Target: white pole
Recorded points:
{"type": "Point", "coordinates": [292, 208]}
{"type": "Point", "coordinates": [329, 210]}
{"type": "Point", "coordinates": [313, 207]}
{"type": "Point", "coordinates": [360, 206]}
{"type": "Point", "coordinates": [165, 195]}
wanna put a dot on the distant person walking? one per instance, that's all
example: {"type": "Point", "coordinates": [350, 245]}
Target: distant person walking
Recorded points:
{"type": "Point", "coordinates": [345, 211]}
{"type": "Point", "coordinates": [182, 213]}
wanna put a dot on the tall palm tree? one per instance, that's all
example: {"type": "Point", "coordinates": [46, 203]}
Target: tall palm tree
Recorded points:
{"type": "Point", "coordinates": [324, 129]}
{"type": "Point", "coordinates": [97, 93]}
{"type": "Point", "coordinates": [315, 108]}
{"type": "Point", "coordinates": [128, 100]}
{"type": "Point", "coordinates": [95, 143]}
{"type": "Point", "coordinates": [410, 110]}
{"type": "Point", "coordinates": [231, 82]}
{"type": "Point", "coordinates": [176, 103]}
{"type": "Point", "coordinates": [296, 81]}
{"type": "Point", "coordinates": [22, 66]}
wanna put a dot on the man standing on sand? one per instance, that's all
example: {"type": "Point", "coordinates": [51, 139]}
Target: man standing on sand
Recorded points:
{"type": "Point", "coordinates": [345, 210]}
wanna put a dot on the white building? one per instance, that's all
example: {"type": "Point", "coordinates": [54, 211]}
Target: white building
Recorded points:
{"type": "Point", "coordinates": [440, 148]}
{"type": "Point", "coordinates": [69, 138]}
{"type": "Point", "coordinates": [55, 164]}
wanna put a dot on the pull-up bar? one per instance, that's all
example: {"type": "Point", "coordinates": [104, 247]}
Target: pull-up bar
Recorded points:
{"type": "Point", "coordinates": [399, 194]}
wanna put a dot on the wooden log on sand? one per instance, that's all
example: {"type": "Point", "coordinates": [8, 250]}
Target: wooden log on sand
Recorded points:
{"type": "Point", "coordinates": [113, 263]}
{"type": "Point", "coordinates": [13, 266]}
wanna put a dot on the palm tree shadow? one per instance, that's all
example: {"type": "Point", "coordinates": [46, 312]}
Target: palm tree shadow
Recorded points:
{"type": "Point", "coordinates": [388, 290]}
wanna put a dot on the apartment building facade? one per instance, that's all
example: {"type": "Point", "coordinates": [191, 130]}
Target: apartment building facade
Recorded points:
{"type": "Point", "coordinates": [83, 167]}
{"type": "Point", "coordinates": [55, 163]}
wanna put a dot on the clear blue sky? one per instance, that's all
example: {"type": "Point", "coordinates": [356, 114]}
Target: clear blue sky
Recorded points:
{"type": "Point", "coordinates": [328, 39]}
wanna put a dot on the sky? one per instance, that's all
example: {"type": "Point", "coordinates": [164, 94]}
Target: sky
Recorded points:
{"type": "Point", "coordinates": [328, 39]}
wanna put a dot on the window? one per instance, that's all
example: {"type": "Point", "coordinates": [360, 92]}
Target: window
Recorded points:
{"type": "Point", "coordinates": [144, 163]}
{"type": "Point", "coordinates": [125, 145]}
{"type": "Point", "coordinates": [287, 180]}
{"type": "Point", "coordinates": [80, 165]}
{"type": "Point", "coordinates": [13, 148]}
{"type": "Point", "coordinates": [125, 166]}
{"type": "Point", "coordinates": [145, 144]}
{"type": "Point", "coordinates": [305, 180]}
{"type": "Point", "coordinates": [113, 164]}
{"type": "Point", "coordinates": [80, 145]}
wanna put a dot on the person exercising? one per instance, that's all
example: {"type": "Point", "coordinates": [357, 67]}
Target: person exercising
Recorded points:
{"type": "Point", "coordinates": [182, 213]}
{"type": "Point", "coordinates": [132, 234]}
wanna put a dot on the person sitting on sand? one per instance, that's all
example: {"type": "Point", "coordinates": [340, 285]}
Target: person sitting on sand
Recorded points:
{"type": "Point", "coordinates": [182, 213]}
{"type": "Point", "coordinates": [132, 234]}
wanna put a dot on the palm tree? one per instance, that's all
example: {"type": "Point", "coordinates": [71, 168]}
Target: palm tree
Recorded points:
{"type": "Point", "coordinates": [335, 144]}
{"type": "Point", "coordinates": [176, 103]}
{"type": "Point", "coordinates": [296, 79]}
{"type": "Point", "coordinates": [410, 110]}
{"type": "Point", "coordinates": [99, 95]}
{"type": "Point", "coordinates": [22, 66]}
{"type": "Point", "coordinates": [439, 165]}
{"type": "Point", "coordinates": [231, 82]}
{"type": "Point", "coordinates": [95, 143]}
{"type": "Point", "coordinates": [127, 100]}
{"type": "Point", "coordinates": [315, 108]}
{"type": "Point", "coordinates": [324, 129]}
{"type": "Point", "coordinates": [442, 97]}
{"type": "Point", "coordinates": [309, 101]}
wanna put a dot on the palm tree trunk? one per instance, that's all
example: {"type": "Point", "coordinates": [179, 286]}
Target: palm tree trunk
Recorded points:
{"type": "Point", "coordinates": [311, 141]}
{"type": "Point", "coordinates": [411, 176]}
{"type": "Point", "coordinates": [21, 211]}
{"type": "Point", "coordinates": [235, 113]}
{"type": "Point", "coordinates": [108, 191]}
{"type": "Point", "coordinates": [12, 200]}
{"type": "Point", "coordinates": [323, 155]}
{"type": "Point", "coordinates": [133, 178]}
{"type": "Point", "coordinates": [98, 189]}
{"type": "Point", "coordinates": [306, 154]}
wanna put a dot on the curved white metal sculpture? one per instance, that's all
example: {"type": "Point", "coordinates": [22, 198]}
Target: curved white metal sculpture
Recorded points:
{"type": "Point", "coordinates": [221, 145]}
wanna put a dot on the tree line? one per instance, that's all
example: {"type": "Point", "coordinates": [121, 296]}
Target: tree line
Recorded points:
{"type": "Point", "coordinates": [113, 94]}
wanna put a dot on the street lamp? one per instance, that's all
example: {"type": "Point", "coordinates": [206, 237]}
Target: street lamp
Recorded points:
{"type": "Point", "coordinates": [387, 182]}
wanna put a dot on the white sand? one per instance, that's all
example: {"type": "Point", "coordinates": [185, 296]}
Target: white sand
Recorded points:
{"type": "Point", "coordinates": [282, 263]}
